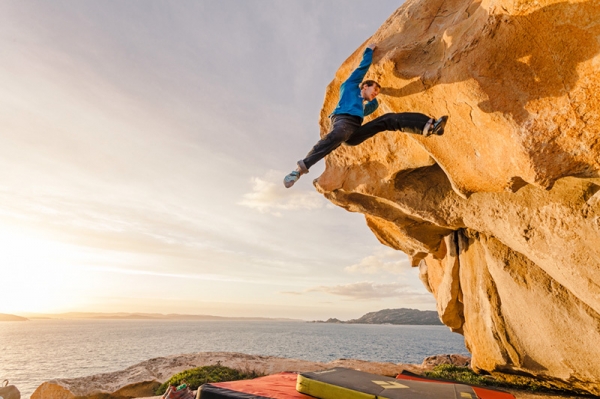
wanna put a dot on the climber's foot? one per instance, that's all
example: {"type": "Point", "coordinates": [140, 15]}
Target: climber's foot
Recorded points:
{"type": "Point", "coordinates": [290, 179]}
{"type": "Point", "coordinates": [438, 126]}
{"type": "Point", "coordinates": [428, 128]}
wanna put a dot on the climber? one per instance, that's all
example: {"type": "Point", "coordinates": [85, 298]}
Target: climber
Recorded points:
{"type": "Point", "coordinates": [357, 100]}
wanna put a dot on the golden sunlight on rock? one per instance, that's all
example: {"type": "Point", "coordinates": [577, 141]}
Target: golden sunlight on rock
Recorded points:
{"type": "Point", "coordinates": [501, 213]}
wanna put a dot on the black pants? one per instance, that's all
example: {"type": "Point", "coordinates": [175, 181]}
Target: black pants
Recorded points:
{"type": "Point", "coordinates": [347, 129]}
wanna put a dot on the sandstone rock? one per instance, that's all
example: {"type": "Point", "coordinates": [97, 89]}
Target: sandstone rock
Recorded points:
{"type": "Point", "coordinates": [502, 212]}
{"type": "Point", "coordinates": [142, 379]}
{"type": "Point", "coordinates": [9, 391]}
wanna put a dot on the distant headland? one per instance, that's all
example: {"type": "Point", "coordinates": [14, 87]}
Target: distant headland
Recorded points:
{"type": "Point", "coordinates": [12, 317]}
{"type": "Point", "coordinates": [401, 316]}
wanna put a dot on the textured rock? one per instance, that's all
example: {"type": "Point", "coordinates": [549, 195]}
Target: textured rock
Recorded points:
{"type": "Point", "coordinates": [502, 213]}
{"type": "Point", "coordinates": [142, 379]}
{"type": "Point", "coordinates": [455, 360]}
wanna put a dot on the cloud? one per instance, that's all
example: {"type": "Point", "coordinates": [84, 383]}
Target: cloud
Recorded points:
{"type": "Point", "coordinates": [383, 260]}
{"type": "Point", "coordinates": [269, 196]}
{"type": "Point", "coordinates": [366, 290]}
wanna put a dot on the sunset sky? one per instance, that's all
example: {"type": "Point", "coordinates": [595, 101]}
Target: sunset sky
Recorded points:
{"type": "Point", "coordinates": [143, 147]}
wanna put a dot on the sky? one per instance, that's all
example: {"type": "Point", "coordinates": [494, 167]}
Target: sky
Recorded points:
{"type": "Point", "coordinates": [143, 147]}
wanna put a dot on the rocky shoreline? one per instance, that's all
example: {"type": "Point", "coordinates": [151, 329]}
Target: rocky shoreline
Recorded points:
{"type": "Point", "coordinates": [141, 380]}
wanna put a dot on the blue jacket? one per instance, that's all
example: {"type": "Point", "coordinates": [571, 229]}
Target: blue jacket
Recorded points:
{"type": "Point", "coordinates": [351, 102]}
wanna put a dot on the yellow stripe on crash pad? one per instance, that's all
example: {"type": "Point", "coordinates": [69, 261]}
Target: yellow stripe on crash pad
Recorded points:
{"type": "Point", "coordinates": [323, 390]}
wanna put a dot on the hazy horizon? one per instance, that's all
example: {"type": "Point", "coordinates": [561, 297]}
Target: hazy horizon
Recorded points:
{"type": "Point", "coordinates": [158, 316]}
{"type": "Point", "coordinates": [119, 315]}
{"type": "Point", "coordinates": [144, 145]}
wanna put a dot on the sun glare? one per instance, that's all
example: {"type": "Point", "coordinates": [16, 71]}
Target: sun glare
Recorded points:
{"type": "Point", "coordinates": [38, 274]}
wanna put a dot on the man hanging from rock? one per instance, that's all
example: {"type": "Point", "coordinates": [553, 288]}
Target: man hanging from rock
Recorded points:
{"type": "Point", "coordinates": [357, 100]}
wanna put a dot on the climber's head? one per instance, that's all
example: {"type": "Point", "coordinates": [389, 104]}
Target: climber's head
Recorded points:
{"type": "Point", "coordinates": [369, 89]}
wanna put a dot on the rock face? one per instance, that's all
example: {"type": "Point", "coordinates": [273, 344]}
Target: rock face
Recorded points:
{"type": "Point", "coordinates": [502, 212]}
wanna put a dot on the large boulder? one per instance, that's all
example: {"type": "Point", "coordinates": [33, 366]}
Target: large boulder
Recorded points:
{"type": "Point", "coordinates": [502, 213]}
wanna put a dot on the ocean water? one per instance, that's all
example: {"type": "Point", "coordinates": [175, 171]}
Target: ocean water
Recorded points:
{"type": "Point", "coordinates": [39, 350]}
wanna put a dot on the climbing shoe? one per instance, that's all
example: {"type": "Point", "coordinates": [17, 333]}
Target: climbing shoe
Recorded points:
{"type": "Point", "coordinates": [427, 129]}
{"type": "Point", "coordinates": [290, 179]}
{"type": "Point", "coordinates": [438, 126]}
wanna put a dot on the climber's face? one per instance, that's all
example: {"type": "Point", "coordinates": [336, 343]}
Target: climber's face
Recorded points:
{"type": "Point", "coordinates": [368, 93]}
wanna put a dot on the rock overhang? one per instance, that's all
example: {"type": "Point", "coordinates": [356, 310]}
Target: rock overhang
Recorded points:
{"type": "Point", "coordinates": [505, 204]}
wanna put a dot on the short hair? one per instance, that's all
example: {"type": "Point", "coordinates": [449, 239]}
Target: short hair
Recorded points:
{"type": "Point", "coordinates": [370, 83]}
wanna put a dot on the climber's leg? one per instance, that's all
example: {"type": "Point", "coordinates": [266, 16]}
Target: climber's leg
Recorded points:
{"type": "Point", "coordinates": [343, 127]}
{"type": "Point", "coordinates": [409, 122]}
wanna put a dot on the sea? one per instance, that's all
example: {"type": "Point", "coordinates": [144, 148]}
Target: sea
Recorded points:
{"type": "Point", "coordinates": [35, 351]}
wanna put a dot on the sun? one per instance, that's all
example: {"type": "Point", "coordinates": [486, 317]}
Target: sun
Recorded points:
{"type": "Point", "coordinates": [37, 273]}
